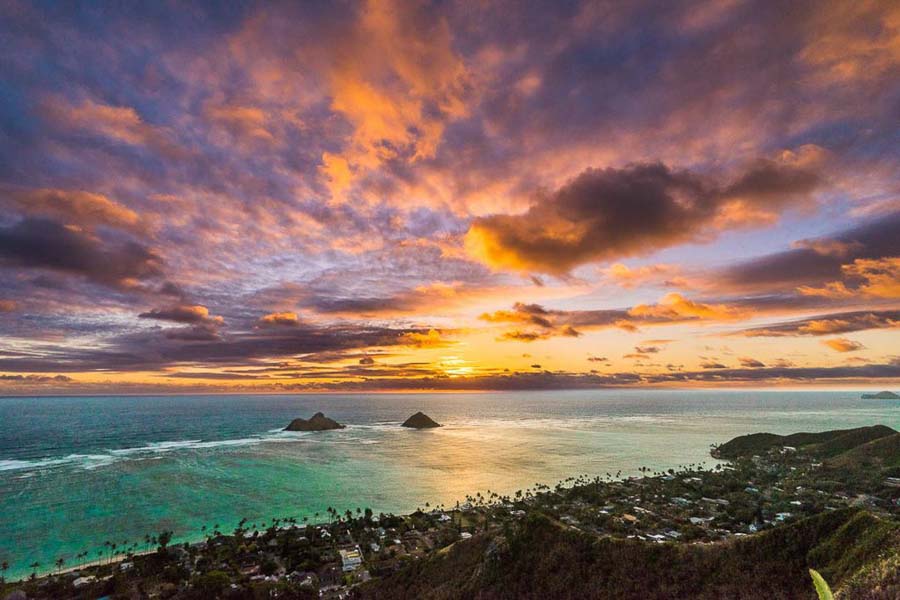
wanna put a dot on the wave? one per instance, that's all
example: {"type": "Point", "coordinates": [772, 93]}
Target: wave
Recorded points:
{"type": "Point", "coordinates": [155, 450]}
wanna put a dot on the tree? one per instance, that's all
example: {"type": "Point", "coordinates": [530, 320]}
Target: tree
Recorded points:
{"type": "Point", "coordinates": [59, 563]}
{"type": "Point", "coordinates": [164, 538]}
{"type": "Point", "coordinates": [4, 567]}
{"type": "Point", "coordinates": [212, 584]}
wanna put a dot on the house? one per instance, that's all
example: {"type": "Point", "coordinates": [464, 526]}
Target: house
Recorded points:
{"type": "Point", "coordinates": [717, 501]}
{"type": "Point", "coordinates": [351, 559]}
{"type": "Point", "coordinates": [82, 581]}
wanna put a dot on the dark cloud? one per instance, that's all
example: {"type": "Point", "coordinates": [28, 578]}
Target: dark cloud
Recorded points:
{"type": "Point", "coordinates": [36, 243]}
{"type": "Point", "coordinates": [777, 374]}
{"type": "Point", "coordinates": [647, 349]}
{"type": "Point", "coordinates": [36, 379]}
{"type": "Point", "coordinates": [815, 262]}
{"type": "Point", "coordinates": [609, 213]}
{"type": "Point", "coordinates": [200, 345]}
{"type": "Point", "coordinates": [185, 313]}
{"type": "Point", "coordinates": [751, 363]}
{"type": "Point", "coordinates": [828, 324]}
{"type": "Point", "coordinates": [712, 364]}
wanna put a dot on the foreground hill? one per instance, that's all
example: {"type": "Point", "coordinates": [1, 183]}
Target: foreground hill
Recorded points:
{"type": "Point", "coordinates": [545, 559]}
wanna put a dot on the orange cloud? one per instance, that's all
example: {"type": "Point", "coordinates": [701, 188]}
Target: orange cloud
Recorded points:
{"type": "Point", "coordinates": [397, 80]}
{"type": "Point", "coordinates": [629, 278]}
{"type": "Point", "coordinates": [675, 307]}
{"type": "Point", "coordinates": [74, 207]}
{"type": "Point", "coordinates": [843, 345]}
{"type": "Point", "coordinates": [882, 276]}
{"type": "Point", "coordinates": [288, 319]}
{"type": "Point", "coordinates": [431, 339]}
{"type": "Point", "coordinates": [121, 123]}
{"type": "Point", "coordinates": [8, 305]}
{"type": "Point", "coordinates": [875, 277]}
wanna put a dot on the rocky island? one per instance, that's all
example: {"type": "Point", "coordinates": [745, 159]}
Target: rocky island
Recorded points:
{"type": "Point", "coordinates": [881, 396]}
{"type": "Point", "coordinates": [318, 422]}
{"type": "Point", "coordinates": [420, 421]}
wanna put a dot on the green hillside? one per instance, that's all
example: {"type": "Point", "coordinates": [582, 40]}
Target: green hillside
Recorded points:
{"type": "Point", "coordinates": [824, 444]}
{"type": "Point", "coordinates": [543, 559]}
{"type": "Point", "coordinates": [881, 453]}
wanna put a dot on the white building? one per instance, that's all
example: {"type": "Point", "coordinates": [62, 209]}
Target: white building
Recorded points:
{"type": "Point", "coordinates": [351, 559]}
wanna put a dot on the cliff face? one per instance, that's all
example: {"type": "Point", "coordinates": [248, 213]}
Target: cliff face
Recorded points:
{"type": "Point", "coordinates": [318, 422]}
{"type": "Point", "coordinates": [420, 421]}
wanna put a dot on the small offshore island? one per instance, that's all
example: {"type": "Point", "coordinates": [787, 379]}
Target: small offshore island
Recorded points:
{"type": "Point", "coordinates": [318, 422]}
{"type": "Point", "coordinates": [421, 421]}
{"type": "Point", "coordinates": [749, 528]}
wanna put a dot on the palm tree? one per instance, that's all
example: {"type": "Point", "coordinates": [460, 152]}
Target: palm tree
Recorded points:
{"type": "Point", "coordinates": [59, 564]}
{"type": "Point", "coordinates": [34, 567]}
{"type": "Point", "coordinates": [4, 567]}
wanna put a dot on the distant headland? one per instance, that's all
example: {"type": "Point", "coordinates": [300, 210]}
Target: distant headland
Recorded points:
{"type": "Point", "coordinates": [881, 396]}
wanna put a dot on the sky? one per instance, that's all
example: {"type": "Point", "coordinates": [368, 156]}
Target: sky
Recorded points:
{"type": "Point", "coordinates": [453, 195]}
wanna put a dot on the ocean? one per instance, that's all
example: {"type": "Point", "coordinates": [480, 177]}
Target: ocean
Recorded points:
{"type": "Point", "coordinates": [77, 472]}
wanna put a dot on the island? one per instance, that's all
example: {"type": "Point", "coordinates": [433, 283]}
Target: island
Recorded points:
{"type": "Point", "coordinates": [318, 422]}
{"type": "Point", "coordinates": [420, 421]}
{"type": "Point", "coordinates": [881, 396]}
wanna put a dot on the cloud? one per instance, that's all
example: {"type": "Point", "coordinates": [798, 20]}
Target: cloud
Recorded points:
{"type": "Point", "coordinates": [428, 339]}
{"type": "Point", "coordinates": [877, 278]}
{"type": "Point", "coordinates": [604, 214]}
{"type": "Point", "coordinates": [367, 360]}
{"type": "Point", "coordinates": [807, 267]}
{"type": "Point", "coordinates": [675, 307]}
{"type": "Point", "coordinates": [8, 306]}
{"type": "Point", "coordinates": [396, 79]}
{"type": "Point", "coordinates": [284, 319]}
{"type": "Point", "coordinates": [627, 277]}
{"type": "Point", "coordinates": [647, 349]}
{"type": "Point", "coordinates": [122, 124]}
{"type": "Point", "coordinates": [38, 243]}
{"type": "Point", "coordinates": [545, 323]}
{"type": "Point", "coordinates": [517, 335]}
{"type": "Point", "coordinates": [828, 324]}
{"type": "Point", "coordinates": [712, 364]}
{"type": "Point", "coordinates": [843, 345]}
{"type": "Point", "coordinates": [73, 207]}
{"type": "Point", "coordinates": [186, 313]}
{"type": "Point", "coordinates": [751, 363]}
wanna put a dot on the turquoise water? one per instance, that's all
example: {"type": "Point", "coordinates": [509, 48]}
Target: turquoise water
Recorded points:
{"type": "Point", "coordinates": [75, 472]}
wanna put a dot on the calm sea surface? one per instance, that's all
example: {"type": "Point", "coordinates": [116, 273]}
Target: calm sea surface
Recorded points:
{"type": "Point", "coordinates": [75, 472]}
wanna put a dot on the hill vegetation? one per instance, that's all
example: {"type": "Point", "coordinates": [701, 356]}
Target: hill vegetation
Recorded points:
{"type": "Point", "coordinates": [824, 444]}
{"type": "Point", "coordinates": [545, 559]}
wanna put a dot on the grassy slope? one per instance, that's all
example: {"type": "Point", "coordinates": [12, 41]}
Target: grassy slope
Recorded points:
{"type": "Point", "coordinates": [881, 453]}
{"type": "Point", "coordinates": [824, 444]}
{"type": "Point", "coordinates": [544, 560]}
